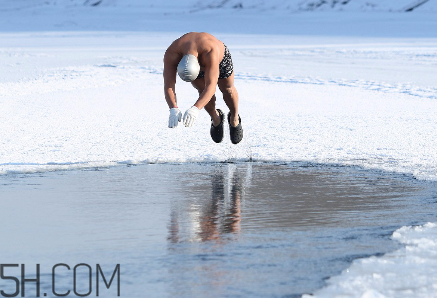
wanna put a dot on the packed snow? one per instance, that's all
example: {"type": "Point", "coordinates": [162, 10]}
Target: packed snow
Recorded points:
{"type": "Point", "coordinates": [81, 86]}
{"type": "Point", "coordinates": [95, 99]}
{"type": "Point", "coordinates": [395, 274]}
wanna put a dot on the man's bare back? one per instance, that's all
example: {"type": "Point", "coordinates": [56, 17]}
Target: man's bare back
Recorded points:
{"type": "Point", "coordinates": [198, 44]}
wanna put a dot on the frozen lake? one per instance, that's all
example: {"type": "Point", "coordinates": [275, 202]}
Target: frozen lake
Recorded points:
{"type": "Point", "coordinates": [205, 229]}
{"type": "Point", "coordinates": [81, 98]}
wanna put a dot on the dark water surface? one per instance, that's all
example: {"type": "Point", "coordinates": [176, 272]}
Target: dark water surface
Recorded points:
{"type": "Point", "coordinates": [203, 230]}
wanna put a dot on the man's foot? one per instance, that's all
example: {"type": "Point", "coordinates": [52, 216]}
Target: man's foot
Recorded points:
{"type": "Point", "coordinates": [235, 132]}
{"type": "Point", "coordinates": [217, 131]}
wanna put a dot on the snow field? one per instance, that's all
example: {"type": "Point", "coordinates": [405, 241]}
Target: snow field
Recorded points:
{"type": "Point", "coordinates": [105, 106]}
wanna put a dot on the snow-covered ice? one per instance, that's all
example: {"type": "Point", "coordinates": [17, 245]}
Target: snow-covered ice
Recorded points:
{"type": "Point", "coordinates": [81, 86]}
{"type": "Point", "coordinates": [72, 99]}
{"type": "Point", "coordinates": [395, 274]}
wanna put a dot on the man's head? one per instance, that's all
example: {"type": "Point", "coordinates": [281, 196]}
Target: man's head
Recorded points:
{"type": "Point", "coordinates": [188, 68]}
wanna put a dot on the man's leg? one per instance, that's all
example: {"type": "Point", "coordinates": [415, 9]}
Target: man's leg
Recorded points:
{"type": "Point", "coordinates": [199, 84]}
{"type": "Point", "coordinates": [230, 96]}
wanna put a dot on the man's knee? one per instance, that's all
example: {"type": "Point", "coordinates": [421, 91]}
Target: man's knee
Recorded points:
{"type": "Point", "coordinates": [227, 89]}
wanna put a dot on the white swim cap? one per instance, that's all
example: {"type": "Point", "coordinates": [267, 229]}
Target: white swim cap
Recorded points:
{"type": "Point", "coordinates": [188, 68]}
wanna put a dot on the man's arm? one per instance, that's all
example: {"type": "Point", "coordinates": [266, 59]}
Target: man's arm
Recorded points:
{"type": "Point", "coordinates": [212, 73]}
{"type": "Point", "coordinates": [170, 66]}
{"type": "Point", "coordinates": [170, 69]}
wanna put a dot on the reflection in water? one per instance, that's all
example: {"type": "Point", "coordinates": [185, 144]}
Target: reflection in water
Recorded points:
{"type": "Point", "coordinates": [204, 220]}
{"type": "Point", "coordinates": [256, 230]}
{"type": "Point", "coordinates": [211, 217]}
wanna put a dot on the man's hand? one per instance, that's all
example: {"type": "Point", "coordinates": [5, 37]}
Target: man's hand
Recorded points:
{"type": "Point", "coordinates": [190, 116]}
{"type": "Point", "coordinates": [175, 117]}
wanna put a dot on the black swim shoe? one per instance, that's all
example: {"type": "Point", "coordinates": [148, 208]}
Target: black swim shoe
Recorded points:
{"type": "Point", "coordinates": [235, 132]}
{"type": "Point", "coordinates": [217, 131]}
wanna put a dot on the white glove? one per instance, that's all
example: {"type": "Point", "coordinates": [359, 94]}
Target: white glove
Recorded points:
{"type": "Point", "coordinates": [175, 117]}
{"type": "Point", "coordinates": [190, 116]}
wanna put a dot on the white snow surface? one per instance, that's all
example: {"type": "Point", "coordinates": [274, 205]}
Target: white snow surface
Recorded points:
{"type": "Point", "coordinates": [81, 86]}
{"type": "Point", "coordinates": [407, 272]}
{"type": "Point", "coordinates": [73, 99]}
{"type": "Point", "coordinates": [79, 99]}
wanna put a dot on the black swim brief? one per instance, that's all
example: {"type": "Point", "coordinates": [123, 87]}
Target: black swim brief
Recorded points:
{"type": "Point", "coordinates": [226, 67]}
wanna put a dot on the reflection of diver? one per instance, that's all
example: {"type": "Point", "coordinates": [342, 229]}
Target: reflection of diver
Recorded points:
{"type": "Point", "coordinates": [212, 217]}
{"type": "Point", "coordinates": [218, 217]}
{"type": "Point", "coordinates": [232, 219]}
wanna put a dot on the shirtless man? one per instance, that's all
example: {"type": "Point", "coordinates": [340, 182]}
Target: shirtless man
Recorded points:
{"type": "Point", "coordinates": [205, 61]}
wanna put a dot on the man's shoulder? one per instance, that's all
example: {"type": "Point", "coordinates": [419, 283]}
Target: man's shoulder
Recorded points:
{"type": "Point", "coordinates": [171, 56]}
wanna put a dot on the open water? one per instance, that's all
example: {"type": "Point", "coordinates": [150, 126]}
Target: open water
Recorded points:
{"type": "Point", "coordinates": [201, 230]}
